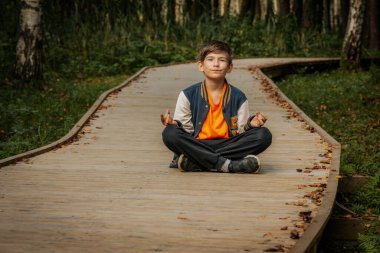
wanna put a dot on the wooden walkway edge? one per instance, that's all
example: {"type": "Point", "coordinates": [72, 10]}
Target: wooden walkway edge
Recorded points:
{"type": "Point", "coordinates": [309, 240]}
{"type": "Point", "coordinates": [12, 211]}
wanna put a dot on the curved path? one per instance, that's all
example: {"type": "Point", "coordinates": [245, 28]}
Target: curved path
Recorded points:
{"type": "Point", "coordinates": [110, 189]}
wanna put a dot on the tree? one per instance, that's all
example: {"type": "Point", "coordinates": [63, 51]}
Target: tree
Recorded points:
{"type": "Point", "coordinates": [351, 51]}
{"type": "Point", "coordinates": [264, 10]}
{"type": "Point", "coordinates": [309, 13]}
{"type": "Point", "coordinates": [28, 67]}
{"type": "Point", "coordinates": [374, 24]}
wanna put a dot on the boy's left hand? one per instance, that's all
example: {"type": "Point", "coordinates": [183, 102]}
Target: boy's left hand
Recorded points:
{"type": "Point", "coordinates": [259, 120]}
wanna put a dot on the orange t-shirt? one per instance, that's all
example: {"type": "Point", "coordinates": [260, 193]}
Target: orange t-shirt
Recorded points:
{"type": "Point", "coordinates": [214, 127]}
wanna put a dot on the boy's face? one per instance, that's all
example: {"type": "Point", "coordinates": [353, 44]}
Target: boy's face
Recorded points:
{"type": "Point", "coordinates": [215, 65]}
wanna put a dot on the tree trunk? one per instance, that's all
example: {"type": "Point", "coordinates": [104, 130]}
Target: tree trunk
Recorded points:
{"type": "Point", "coordinates": [214, 7]}
{"type": "Point", "coordinates": [336, 19]}
{"type": "Point", "coordinates": [351, 51]}
{"type": "Point", "coordinates": [344, 11]}
{"type": "Point", "coordinates": [374, 24]}
{"type": "Point", "coordinates": [276, 7]}
{"type": "Point", "coordinates": [170, 12]}
{"type": "Point", "coordinates": [284, 8]}
{"type": "Point", "coordinates": [236, 7]}
{"type": "Point", "coordinates": [179, 8]}
{"type": "Point", "coordinates": [264, 7]}
{"type": "Point", "coordinates": [28, 67]}
{"type": "Point", "coordinates": [326, 16]}
{"type": "Point", "coordinates": [309, 9]}
{"type": "Point", "coordinates": [224, 6]}
{"type": "Point", "coordinates": [257, 13]}
{"type": "Point", "coordinates": [280, 7]}
{"type": "Point", "coordinates": [296, 10]}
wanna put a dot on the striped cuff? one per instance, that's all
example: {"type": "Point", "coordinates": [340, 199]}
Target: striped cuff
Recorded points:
{"type": "Point", "coordinates": [248, 124]}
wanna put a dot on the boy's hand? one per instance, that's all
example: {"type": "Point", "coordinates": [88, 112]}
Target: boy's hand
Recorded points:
{"type": "Point", "coordinates": [166, 119]}
{"type": "Point", "coordinates": [259, 120]}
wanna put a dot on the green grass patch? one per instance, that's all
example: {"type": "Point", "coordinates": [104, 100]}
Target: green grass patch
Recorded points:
{"type": "Point", "coordinates": [32, 118]}
{"type": "Point", "coordinates": [347, 106]}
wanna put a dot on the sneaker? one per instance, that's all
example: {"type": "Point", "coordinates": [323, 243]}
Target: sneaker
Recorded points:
{"type": "Point", "coordinates": [249, 164]}
{"type": "Point", "coordinates": [174, 163]}
{"type": "Point", "coordinates": [184, 164]}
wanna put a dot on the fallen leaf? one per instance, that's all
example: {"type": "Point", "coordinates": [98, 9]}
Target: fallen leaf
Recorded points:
{"type": "Point", "coordinates": [294, 234]}
{"type": "Point", "coordinates": [299, 225]}
{"type": "Point", "coordinates": [327, 161]}
{"type": "Point", "coordinates": [277, 248]}
{"type": "Point", "coordinates": [268, 234]}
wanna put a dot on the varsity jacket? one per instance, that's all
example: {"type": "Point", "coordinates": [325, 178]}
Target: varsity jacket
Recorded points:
{"type": "Point", "coordinates": [193, 105]}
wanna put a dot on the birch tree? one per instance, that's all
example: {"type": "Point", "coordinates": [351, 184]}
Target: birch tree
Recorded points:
{"type": "Point", "coordinates": [351, 51]}
{"type": "Point", "coordinates": [264, 10]}
{"type": "Point", "coordinates": [28, 67]}
{"type": "Point", "coordinates": [224, 5]}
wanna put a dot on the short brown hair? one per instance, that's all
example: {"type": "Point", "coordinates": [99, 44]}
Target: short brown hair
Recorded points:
{"type": "Point", "coordinates": [213, 46]}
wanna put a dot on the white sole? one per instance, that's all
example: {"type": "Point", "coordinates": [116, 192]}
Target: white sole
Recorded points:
{"type": "Point", "coordinates": [179, 163]}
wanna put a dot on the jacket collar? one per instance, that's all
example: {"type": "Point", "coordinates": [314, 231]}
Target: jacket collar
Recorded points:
{"type": "Point", "coordinates": [226, 97]}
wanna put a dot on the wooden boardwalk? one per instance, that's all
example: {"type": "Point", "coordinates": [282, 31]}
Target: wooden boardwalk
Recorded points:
{"type": "Point", "coordinates": [111, 190]}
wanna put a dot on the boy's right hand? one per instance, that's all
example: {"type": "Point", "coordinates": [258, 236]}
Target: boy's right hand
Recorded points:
{"type": "Point", "coordinates": [166, 119]}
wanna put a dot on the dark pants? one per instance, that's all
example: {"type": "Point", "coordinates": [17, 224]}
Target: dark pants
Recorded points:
{"type": "Point", "coordinates": [211, 154]}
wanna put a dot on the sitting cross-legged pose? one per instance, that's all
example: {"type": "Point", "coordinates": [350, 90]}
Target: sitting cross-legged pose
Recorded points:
{"type": "Point", "coordinates": [212, 129]}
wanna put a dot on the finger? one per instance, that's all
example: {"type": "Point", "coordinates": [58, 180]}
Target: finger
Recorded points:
{"type": "Point", "coordinates": [167, 120]}
{"type": "Point", "coordinates": [162, 119]}
{"type": "Point", "coordinates": [262, 117]}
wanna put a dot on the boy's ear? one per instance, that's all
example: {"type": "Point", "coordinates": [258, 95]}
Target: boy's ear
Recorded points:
{"type": "Point", "coordinates": [200, 66]}
{"type": "Point", "coordinates": [230, 68]}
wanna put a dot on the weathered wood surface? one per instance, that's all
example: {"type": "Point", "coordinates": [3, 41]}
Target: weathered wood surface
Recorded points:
{"type": "Point", "coordinates": [111, 189]}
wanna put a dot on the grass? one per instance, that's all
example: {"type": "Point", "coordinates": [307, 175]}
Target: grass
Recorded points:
{"type": "Point", "coordinates": [32, 118]}
{"type": "Point", "coordinates": [347, 106]}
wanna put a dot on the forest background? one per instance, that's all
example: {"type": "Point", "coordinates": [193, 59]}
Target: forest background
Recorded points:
{"type": "Point", "coordinates": [88, 46]}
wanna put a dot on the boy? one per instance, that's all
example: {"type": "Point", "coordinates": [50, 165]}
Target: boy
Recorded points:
{"type": "Point", "coordinates": [211, 129]}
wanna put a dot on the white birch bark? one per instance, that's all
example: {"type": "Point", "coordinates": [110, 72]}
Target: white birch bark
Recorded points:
{"type": "Point", "coordinates": [352, 40]}
{"type": "Point", "coordinates": [29, 46]}
{"type": "Point", "coordinates": [235, 7]}
{"type": "Point", "coordinates": [179, 7]}
{"type": "Point", "coordinates": [264, 6]}
{"type": "Point", "coordinates": [224, 7]}
{"type": "Point", "coordinates": [276, 7]}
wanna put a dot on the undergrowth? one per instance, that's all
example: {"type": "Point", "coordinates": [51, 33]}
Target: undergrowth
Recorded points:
{"type": "Point", "coordinates": [32, 118]}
